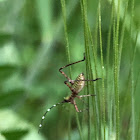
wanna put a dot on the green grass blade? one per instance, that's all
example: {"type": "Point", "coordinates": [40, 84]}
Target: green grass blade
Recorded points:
{"type": "Point", "coordinates": [102, 67]}
{"type": "Point", "coordinates": [116, 74]}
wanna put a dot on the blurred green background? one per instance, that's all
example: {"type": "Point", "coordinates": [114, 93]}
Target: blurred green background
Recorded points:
{"type": "Point", "coordinates": [33, 47]}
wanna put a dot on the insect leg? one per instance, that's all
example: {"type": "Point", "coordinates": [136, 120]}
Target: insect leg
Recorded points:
{"type": "Point", "coordinates": [75, 105]}
{"type": "Point", "coordinates": [81, 96]}
{"type": "Point", "coordinates": [76, 108]}
{"type": "Point", "coordinates": [60, 70]}
{"type": "Point", "coordinates": [66, 82]}
{"type": "Point", "coordinates": [81, 100]}
{"type": "Point", "coordinates": [43, 117]}
{"type": "Point", "coordinates": [89, 80]}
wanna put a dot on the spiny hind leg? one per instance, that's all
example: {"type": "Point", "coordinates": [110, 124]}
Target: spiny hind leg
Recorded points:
{"type": "Point", "coordinates": [60, 70]}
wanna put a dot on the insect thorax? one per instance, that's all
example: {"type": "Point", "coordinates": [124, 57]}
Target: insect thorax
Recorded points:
{"type": "Point", "coordinates": [79, 83]}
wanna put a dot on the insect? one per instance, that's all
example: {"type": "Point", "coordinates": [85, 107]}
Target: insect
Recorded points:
{"type": "Point", "coordinates": [75, 86]}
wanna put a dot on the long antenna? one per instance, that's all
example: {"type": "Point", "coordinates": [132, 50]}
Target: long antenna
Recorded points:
{"type": "Point", "coordinates": [43, 117]}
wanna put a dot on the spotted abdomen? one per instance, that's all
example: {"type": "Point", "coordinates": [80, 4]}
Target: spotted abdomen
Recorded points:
{"type": "Point", "coordinates": [79, 83]}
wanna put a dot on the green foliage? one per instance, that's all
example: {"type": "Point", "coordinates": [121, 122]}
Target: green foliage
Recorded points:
{"type": "Point", "coordinates": [14, 135]}
{"type": "Point", "coordinates": [38, 37]}
{"type": "Point", "coordinates": [6, 71]}
{"type": "Point", "coordinates": [10, 99]}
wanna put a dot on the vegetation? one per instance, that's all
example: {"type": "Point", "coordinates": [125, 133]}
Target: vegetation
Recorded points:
{"type": "Point", "coordinates": [37, 37]}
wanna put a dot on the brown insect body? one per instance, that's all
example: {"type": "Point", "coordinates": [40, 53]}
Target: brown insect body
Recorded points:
{"type": "Point", "coordinates": [75, 86]}
{"type": "Point", "coordinates": [79, 83]}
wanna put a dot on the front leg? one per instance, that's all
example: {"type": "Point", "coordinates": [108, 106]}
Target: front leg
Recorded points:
{"type": "Point", "coordinates": [66, 82]}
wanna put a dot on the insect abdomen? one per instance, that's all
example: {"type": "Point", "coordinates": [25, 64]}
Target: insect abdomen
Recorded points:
{"type": "Point", "coordinates": [79, 83]}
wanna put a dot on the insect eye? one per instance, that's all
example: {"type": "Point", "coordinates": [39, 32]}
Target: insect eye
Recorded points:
{"type": "Point", "coordinates": [82, 74]}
